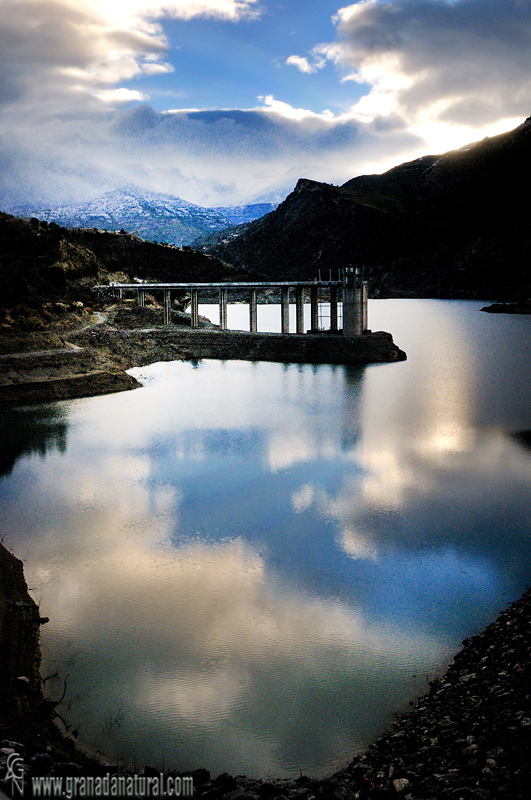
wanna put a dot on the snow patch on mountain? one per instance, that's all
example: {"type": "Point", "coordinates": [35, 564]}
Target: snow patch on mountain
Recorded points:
{"type": "Point", "coordinates": [151, 215]}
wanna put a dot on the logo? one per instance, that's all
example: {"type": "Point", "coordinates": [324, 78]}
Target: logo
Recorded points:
{"type": "Point", "coordinates": [15, 773]}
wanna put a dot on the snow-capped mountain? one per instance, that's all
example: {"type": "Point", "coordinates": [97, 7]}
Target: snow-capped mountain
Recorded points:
{"type": "Point", "coordinates": [153, 216]}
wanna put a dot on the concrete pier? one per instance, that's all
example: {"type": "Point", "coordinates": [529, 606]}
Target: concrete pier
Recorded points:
{"type": "Point", "coordinates": [223, 309]}
{"type": "Point", "coordinates": [194, 307]}
{"type": "Point", "coordinates": [253, 312]}
{"type": "Point", "coordinates": [333, 308]}
{"type": "Point", "coordinates": [355, 293]}
{"type": "Point", "coordinates": [314, 309]}
{"type": "Point", "coordinates": [285, 309]}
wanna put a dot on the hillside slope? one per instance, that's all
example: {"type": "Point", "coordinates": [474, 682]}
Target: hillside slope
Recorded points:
{"type": "Point", "coordinates": [42, 263]}
{"type": "Point", "coordinates": [450, 225]}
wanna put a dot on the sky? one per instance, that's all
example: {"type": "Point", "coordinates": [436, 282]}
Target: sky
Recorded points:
{"type": "Point", "coordinates": [223, 102]}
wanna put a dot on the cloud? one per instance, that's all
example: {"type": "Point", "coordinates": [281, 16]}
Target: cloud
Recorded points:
{"type": "Point", "coordinates": [122, 95]}
{"type": "Point", "coordinates": [464, 63]}
{"type": "Point", "coordinates": [436, 75]}
{"type": "Point", "coordinates": [304, 65]}
{"type": "Point", "coordinates": [65, 46]}
{"type": "Point", "coordinates": [213, 157]}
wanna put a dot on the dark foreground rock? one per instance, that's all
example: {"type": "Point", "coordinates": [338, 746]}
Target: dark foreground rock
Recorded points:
{"type": "Point", "coordinates": [71, 386]}
{"type": "Point", "coordinates": [26, 716]}
{"type": "Point", "coordinates": [468, 738]}
{"type": "Point", "coordinates": [44, 366]}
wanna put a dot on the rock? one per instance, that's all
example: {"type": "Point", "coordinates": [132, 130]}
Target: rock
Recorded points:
{"type": "Point", "coordinates": [240, 794]}
{"type": "Point", "coordinates": [211, 793]}
{"type": "Point", "coordinates": [400, 785]}
{"type": "Point", "coordinates": [200, 777]}
{"type": "Point", "coordinates": [225, 782]}
{"type": "Point", "coordinates": [267, 790]}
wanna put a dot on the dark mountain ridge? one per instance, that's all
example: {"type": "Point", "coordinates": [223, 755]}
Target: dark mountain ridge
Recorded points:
{"type": "Point", "coordinates": [449, 225]}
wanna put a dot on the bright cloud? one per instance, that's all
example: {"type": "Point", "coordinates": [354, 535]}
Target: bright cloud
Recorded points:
{"type": "Point", "coordinates": [303, 64]}
{"type": "Point", "coordinates": [453, 64]}
{"type": "Point", "coordinates": [120, 95]}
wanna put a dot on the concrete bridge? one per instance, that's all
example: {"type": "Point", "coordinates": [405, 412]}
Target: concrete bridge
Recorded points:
{"type": "Point", "coordinates": [350, 288]}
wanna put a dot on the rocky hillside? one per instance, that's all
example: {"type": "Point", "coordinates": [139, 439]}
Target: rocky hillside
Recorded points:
{"type": "Point", "coordinates": [42, 263]}
{"type": "Point", "coordinates": [450, 225]}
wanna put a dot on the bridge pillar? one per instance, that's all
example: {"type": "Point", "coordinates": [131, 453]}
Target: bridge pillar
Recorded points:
{"type": "Point", "coordinates": [355, 293]}
{"type": "Point", "coordinates": [299, 303]}
{"type": "Point", "coordinates": [141, 298]}
{"type": "Point", "coordinates": [333, 308]}
{"type": "Point", "coordinates": [167, 307]}
{"type": "Point", "coordinates": [285, 309]}
{"type": "Point", "coordinates": [223, 309]}
{"type": "Point", "coordinates": [314, 302]}
{"type": "Point", "coordinates": [253, 312]}
{"type": "Point", "coordinates": [194, 310]}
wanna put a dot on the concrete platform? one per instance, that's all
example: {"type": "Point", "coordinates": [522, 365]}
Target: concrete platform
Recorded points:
{"type": "Point", "coordinates": [321, 348]}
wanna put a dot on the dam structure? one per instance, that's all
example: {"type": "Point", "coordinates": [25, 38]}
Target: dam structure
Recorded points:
{"type": "Point", "coordinates": [351, 288]}
{"type": "Point", "coordinates": [337, 307]}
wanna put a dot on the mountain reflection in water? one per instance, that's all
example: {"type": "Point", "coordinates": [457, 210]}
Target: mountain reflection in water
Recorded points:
{"type": "Point", "coordinates": [250, 567]}
{"type": "Point", "coordinates": [28, 430]}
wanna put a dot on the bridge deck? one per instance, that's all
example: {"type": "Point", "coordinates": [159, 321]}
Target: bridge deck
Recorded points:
{"type": "Point", "coordinates": [220, 285]}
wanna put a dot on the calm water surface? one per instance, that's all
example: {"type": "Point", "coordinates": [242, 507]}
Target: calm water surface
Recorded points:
{"type": "Point", "coordinates": [249, 566]}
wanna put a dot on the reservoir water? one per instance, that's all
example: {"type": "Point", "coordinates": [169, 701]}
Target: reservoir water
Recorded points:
{"type": "Point", "coordinates": [250, 567]}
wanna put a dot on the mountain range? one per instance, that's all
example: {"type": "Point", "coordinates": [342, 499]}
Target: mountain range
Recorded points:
{"type": "Point", "coordinates": [151, 215]}
{"type": "Point", "coordinates": [448, 225]}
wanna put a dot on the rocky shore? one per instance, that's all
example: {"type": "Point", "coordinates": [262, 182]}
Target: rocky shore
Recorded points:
{"type": "Point", "coordinates": [468, 738]}
{"type": "Point", "coordinates": [521, 307]}
{"type": "Point", "coordinates": [80, 360]}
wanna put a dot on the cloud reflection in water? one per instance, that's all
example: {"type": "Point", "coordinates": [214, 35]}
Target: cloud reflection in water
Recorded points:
{"type": "Point", "coordinates": [252, 561]}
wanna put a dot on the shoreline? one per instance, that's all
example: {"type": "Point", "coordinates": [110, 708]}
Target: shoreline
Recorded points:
{"type": "Point", "coordinates": [81, 361]}
{"type": "Point", "coordinates": [468, 737]}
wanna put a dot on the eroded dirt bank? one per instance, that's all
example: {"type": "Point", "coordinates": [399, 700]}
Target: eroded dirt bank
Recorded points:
{"type": "Point", "coordinates": [469, 737]}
